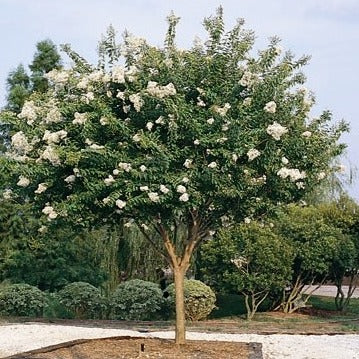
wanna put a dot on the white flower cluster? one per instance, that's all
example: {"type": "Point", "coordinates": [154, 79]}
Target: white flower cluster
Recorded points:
{"type": "Point", "coordinates": [252, 154]}
{"type": "Point", "coordinates": [210, 121]}
{"type": "Point", "coordinates": [153, 196]}
{"type": "Point", "coordinates": [188, 163]}
{"type": "Point", "coordinates": [137, 101]}
{"type": "Point", "coordinates": [95, 147]}
{"type": "Point", "coordinates": [164, 189]}
{"type": "Point", "coordinates": [222, 111]}
{"type": "Point", "coordinates": [23, 181]}
{"type": "Point", "coordinates": [20, 143]}
{"type": "Point", "coordinates": [125, 166]}
{"type": "Point", "coordinates": [270, 107]}
{"type": "Point", "coordinates": [247, 101]}
{"type": "Point", "coordinates": [276, 130]}
{"type": "Point", "coordinates": [120, 204]}
{"type": "Point", "coordinates": [306, 134]}
{"type": "Point", "coordinates": [213, 164]}
{"type": "Point", "coordinates": [247, 79]}
{"type": "Point", "coordinates": [118, 74]}
{"type": "Point", "coordinates": [41, 188]}
{"type": "Point", "coordinates": [184, 195]}
{"type": "Point", "coordinates": [109, 180]}
{"type": "Point", "coordinates": [54, 137]}
{"type": "Point", "coordinates": [80, 118]}
{"type": "Point", "coordinates": [155, 90]}
{"type": "Point", "coordinates": [294, 174]}
{"type": "Point", "coordinates": [49, 154]}
{"type": "Point", "coordinates": [321, 175]}
{"type": "Point", "coordinates": [7, 194]}
{"type": "Point", "coordinates": [53, 116]}
{"type": "Point", "coordinates": [28, 112]}
{"type": "Point", "coordinates": [132, 45]}
{"type": "Point", "coordinates": [70, 179]}
{"type": "Point", "coordinates": [58, 77]}
{"type": "Point", "coordinates": [50, 212]}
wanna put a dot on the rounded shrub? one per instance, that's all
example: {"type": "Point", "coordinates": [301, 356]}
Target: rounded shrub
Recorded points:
{"type": "Point", "coordinates": [136, 300]}
{"type": "Point", "coordinates": [83, 300]}
{"type": "Point", "coordinates": [199, 299]}
{"type": "Point", "coordinates": [22, 300]}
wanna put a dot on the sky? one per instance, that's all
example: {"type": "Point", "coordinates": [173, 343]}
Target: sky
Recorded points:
{"type": "Point", "coordinates": [328, 30]}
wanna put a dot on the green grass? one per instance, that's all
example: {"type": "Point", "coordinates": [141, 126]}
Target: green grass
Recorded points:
{"type": "Point", "coordinates": [327, 303]}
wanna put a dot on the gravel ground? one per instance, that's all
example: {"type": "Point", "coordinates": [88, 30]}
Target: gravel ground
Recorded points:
{"type": "Point", "coordinates": [330, 290]}
{"type": "Point", "coordinates": [16, 338]}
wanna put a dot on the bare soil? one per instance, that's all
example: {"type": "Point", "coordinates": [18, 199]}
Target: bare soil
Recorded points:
{"type": "Point", "coordinates": [131, 348]}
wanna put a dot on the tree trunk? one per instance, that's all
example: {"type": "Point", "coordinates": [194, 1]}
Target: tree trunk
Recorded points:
{"type": "Point", "coordinates": [179, 274]}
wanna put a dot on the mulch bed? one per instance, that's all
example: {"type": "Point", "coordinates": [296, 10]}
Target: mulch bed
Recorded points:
{"type": "Point", "coordinates": [131, 348]}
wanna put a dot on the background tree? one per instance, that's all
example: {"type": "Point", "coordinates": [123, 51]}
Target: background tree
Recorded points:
{"type": "Point", "coordinates": [249, 259]}
{"type": "Point", "coordinates": [316, 244]}
{"type": "Point", "coordinates": [193, 138]}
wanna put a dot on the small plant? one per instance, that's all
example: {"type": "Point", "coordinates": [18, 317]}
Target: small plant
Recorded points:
{"type": "Point", "coordinates": [83, 300]}
{"type": "Point", "coordinates": [199, 299]}
{"type": "Point", "coordinates": [22, 300]}
{"type": "Point", "coordinates": [136, 300]}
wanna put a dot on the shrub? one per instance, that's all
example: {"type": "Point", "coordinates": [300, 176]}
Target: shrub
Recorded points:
{"type": "Point", "coordinates": [199, 299]}
{"type": "Point", "coordinates": [22, 300]}
{"type": "Point", "coordinates": [136, 300]}
{"type": "Point", "coordinates": [83, 300]}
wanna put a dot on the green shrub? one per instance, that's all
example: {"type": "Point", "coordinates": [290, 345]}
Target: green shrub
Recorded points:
{"type": "Point", "coordinates": [83, 300]}
{"type": "Point", "coordinates": [136, 300]}
{"type": "Point", "coordinates": [199, 299]}
{"type": "Point", "coordinates": [22, 300]}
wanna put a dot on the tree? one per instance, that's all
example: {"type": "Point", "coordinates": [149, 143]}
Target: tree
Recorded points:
{"type": "Point", "coordinates": [45, 59]}
{"type": "Point", "coordinates": [172, 138]}
{"type": "Point", "coordinates": [316, 244]}
{"type": "Point", "coordinates": [344, 215]}
{"type": "Point", "coordinates": [249, 259]}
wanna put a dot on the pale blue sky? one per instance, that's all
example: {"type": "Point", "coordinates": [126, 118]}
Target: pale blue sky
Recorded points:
{"type": "Point", "coordinates": [326, 29]}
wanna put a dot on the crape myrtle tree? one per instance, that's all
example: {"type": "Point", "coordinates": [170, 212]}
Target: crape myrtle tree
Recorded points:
{"type": "Point", "coordinates": [170, 138]}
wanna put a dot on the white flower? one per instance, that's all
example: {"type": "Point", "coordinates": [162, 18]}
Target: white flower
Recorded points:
{"type": "Point", "coordinates": [129, 223]}
{"type": "Point", "coordinates": [53, 116]}
{"type": "Point", "coordinates": [155, 90]}
{"type": "Point", "coordinates": [144, 188]}
{"type": "Point", "coordinates": [49, 211]}
{"type": "Point", "coordinates": [185, 179]}
{"type": "Point", "coordinates": [246, 79]}
{"type": "Point", "coordinates": [89, 96]}
{"type": "Point", "coordinates": [164, 189]}
{"type": "Point", "coordinates": [188, 163]}
{"type": "Point", "coordinates": [285, 160]}
{"type": "Point", "coordinates": [42, 229]}
{"type": "Point", "coordinates": [222, 111]}
{"type": "Point", "coordinates": [125, 166]}
{"type": "Point", "coordinates": [76, 172]}
{"type": "Point", "coordinates": [247, 220]}
{"type": "Point", "coordinates": [145, 227]}
{"type": "Point", "coordinates": [28, 112]}
{"type": "Point", "coordinates": [149, 126]}
{"type": "Point", "coordinates": [109, 180]}
{"type": "Point", "coordinates": [200, 102]}
{"type": "Point", "coordinates": [136, 138]}
{"type": "Point", "coordinates": [120, 204]}
{"type": "Point", "coordinates": [321, 175]}
{"type": "Point", "coordinates": [54, 137]}
{"type": "Point", "coordinates": [59, 77]}
{"type": "Point", "coordinates": [104, 121]}
{"type": "Point", "coordinates": [300, 185]}
{"type": "Point", "coordinates": [225, 127]}
{"type": "Point", "coordinates": [210, 121]}
{"type": "Point", "coordinates": [7, 194]}
{"type": "Point", "coordinates": [70, 179]}
{"type": "Point", "coordinates": [252, 154]}
{"type": "Point", "coordinates": [270, 107]}
{"type": "Point", "coordinates": [212, 164]}
{"type": "Point", "coordinates": [184, 197]}
{"type": "Point", "coordinates": [276, 130]}
{"type": "Point", "coordinates": [277, 50]}
{"type": "Point", "coordinates": [115, 172]}
{"type": "Point", "coordinates": [121, 95]}
{"type": "Point", "coordinates": [96, 76]}
{"type": "Point", "coordinates": [80, 118]}
{"type": "Point", "coordinates": [247, 101]}
{"type": "Point", "coordinates": [137, 101]}
{"type": "Point", "coordinates": [143, 168]}
{"type": "Point", "coordinates": [160, 121]}
{"type": "Point", "coordinates": [234, 157]}
{"type": "Point", "coordinates": [181, 189]}
{"type": "Point", "coordinates": [106, 200]}
{"type": "Point", "coordinates": [23, 181]}
{"type": "Point", "coordinates": [95, 147]}
{"type": "Point", "coordinates": [20, 143]}
{"type": "Point", "coordinates": [41, 188]}
{"type": "Point", "coordinates": [196, 142]}
{"type": "Point", "coordinates": [293, 173]}
{"type": "Point", "coordinates": [118, 74]}
{"type": "Point", "coordinates": [88, 142]}
{"type": "Point", "coordinates": [306, 134]}
{"type": "Point", "coordinates": [153, 196]}
{"type": "Point", "coordinates": [131, 73]}
{"type": "Point", "coordinates": [50, 154]}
